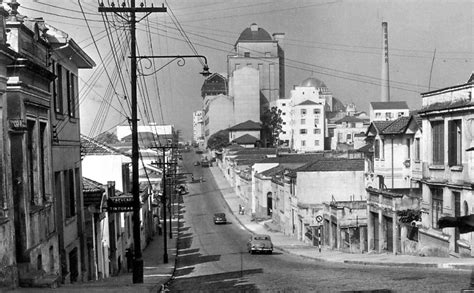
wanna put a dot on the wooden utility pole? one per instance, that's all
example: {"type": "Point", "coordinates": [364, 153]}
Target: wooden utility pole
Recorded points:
{"type": "Point", "coordinates": [132, 10]}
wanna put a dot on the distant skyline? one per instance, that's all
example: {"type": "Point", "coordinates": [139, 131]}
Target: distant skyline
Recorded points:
{"type": "Point", "coordinates": [338, 42]}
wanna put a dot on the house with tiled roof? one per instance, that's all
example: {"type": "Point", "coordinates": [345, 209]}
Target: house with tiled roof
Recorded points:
{"type": "Point", "coordinates": [320, 182]}
{"type": "Point", "coordinates": [394, 172]}
{"type": "Point", "coordinates": [245, 134]}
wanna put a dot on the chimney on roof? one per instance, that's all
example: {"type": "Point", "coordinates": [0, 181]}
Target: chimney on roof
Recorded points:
{"type": "Point", "coordinates": [385, 94]}
{"type": "Point", "coordinates": [254, 27]}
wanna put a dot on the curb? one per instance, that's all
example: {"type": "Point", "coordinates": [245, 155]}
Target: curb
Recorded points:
{"type": "Point", "coordinates": [358, 262]}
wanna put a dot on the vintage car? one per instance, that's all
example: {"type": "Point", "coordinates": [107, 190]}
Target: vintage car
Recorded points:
{"type": "Point", "coordinates": [260, 243]}
{"type": "Point", "coordinates": [219, 218]}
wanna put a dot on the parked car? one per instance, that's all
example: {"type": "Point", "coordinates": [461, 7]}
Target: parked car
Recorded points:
{"type": "Point", "coordinates": [205, 164]}
{"type": "Point", "coordinates": [260, 243]}
{"type": "Point", "coordinates": [219, 218]}
{"type": "Point", "coordinates": [197, 163]}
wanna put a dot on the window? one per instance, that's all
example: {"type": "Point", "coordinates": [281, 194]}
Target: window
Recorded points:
{"type": "Point", "coordinates": [348, 136]}
{"type": "Point", "coordinates": [378, 115]}
{"type": "Point", "coordinates": [303, 111]}
{"type": "Point", "coordinates": [388, 115]}
{"type": "Point", "coordinates": [436, 206]}
{"type": "Point", "coordinates": [339, 137]}
{"type": "Point", "coordinates": [31, 158]}
{"type": "Point", "coordinates": [303, 143]}
{"type": "Point", "coordinates": [417, 149]}
{"type": "Point", "coordinates": [400, 114]}
{"type": "Point", "coordinates": [70, 202]}
{"type": "Point", "coordinates": [316, 142]}
{"type": "Point", "coordinates": [58, 101]}
{"type": "Point", "coordinates": [408, 148]}
{"type": "Point", "coordinates": [303, 121]}
{"type": "Point", "coordinates": [377, 149]}
{"type": "Point", "coordinates": [302, 131]}
{"type": "Point", "coordinates": [284, 123]}
{"type": "Point", "coordinates": [316, 111]}
{"type": "Point", "coordinates": [72, 95]}
{"type": "Point", "coordinates": [454, 143]}
{"type": "Point", "coordinates": [316, 131]}
{"type": "Point", "coordinates": [382, 149]}
{"type": "Point", "coordinates": [316, 121]}
{"type": "Point", "coordinates": [437, 137]}
{"type": "Point", "coordinates": [246, 54]}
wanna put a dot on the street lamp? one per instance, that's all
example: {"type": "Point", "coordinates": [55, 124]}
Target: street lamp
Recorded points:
{"type": "Point", "coordinates": [181, 62]}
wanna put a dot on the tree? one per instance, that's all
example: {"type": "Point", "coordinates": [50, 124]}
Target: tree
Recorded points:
{"type": "Point", "coordinates": [218, 140]}
{"type": "Point", "coordinates": [107, 138]}
{"type": "Point", "coordinates": [272, 125]}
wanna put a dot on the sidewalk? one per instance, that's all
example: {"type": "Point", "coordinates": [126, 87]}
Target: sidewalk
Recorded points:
{"type": "Point", "coordinates": [155, 272]}
{"type": "Point", "coordinates": [293, 246]}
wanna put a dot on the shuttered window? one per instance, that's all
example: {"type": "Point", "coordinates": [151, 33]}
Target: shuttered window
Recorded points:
{"type": "Point", "coordinates": [454, 143]}
{"type": "Point", "coordinates": [437, 131]}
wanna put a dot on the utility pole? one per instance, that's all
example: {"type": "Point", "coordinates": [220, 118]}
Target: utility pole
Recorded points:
{"type": "Point", "coordinates": [137, 260]}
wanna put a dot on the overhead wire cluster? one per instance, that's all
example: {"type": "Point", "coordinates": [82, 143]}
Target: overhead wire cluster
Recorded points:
{"type": "Point", "coordinates": [117, 37]}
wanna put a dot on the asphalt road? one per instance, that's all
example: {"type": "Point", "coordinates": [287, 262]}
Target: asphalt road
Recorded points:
{"type": "Point", "coordinates": [214, 258]}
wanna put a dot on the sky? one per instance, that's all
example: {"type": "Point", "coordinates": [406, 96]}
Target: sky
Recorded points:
{"type": "Point", "coordinates": [431, 46]}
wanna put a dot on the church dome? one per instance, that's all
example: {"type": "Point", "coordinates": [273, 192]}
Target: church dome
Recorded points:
{"type": "Point", "coordinates": [313, 82]}
{"type": "Point", "coordinates": [254, 34]}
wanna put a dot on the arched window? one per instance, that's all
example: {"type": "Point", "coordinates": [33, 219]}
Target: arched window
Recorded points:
{"type": "Point", "coordinates": [466, 208]}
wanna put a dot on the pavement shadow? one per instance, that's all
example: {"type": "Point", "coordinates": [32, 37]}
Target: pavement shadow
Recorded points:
{"type": "Point", "coordinates": [228, 282]}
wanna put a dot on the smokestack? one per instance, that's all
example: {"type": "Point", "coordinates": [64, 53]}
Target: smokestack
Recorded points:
{"type": "Point", "coordinates": [385, 96]}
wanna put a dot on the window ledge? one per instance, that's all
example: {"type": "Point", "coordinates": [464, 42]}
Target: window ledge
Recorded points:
{"type": "Point", "coordinates": [436, 167]}
{"type": "Point", "coordinates": [457, 168]}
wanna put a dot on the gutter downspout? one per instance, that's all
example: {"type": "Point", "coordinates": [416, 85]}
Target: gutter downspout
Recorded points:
{"type": "Point", "coordinates": [392, 165]}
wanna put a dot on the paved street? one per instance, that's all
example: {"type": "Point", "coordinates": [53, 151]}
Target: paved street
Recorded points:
{"type": "Point", "coordinates": [213, 257]}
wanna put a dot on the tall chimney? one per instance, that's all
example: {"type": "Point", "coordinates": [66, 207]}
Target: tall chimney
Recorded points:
{"type": "Point", "coordinates": [385, 95]}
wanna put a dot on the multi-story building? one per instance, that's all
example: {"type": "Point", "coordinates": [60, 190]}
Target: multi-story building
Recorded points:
{"type": "Point", "coordinates": [28, 225]}
{"type": "Point", "coordinates": [198, 130]}
{"type": "Point", "coordinates": [257, 49]}
{"type": "Point", "coordinates": [307, 123]}
{"type": "Point", "coordinates": [245, 92]}
{"type": "Point", "coordinates": [393, 173]}
{"type": "Point", "coordinates": [448, 168]}
{"type": "Point", "coordinates": [388, 111]}
{"type": "Point", "coordinates": [42, 139]}
{"type": "Point", "coordinates": [66, 60]}
{"type": "Point", "coordinates": [218, 107]}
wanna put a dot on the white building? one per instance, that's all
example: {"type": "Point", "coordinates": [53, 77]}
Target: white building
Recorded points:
{"type": "Point", "coordinates": [303, 117]}
{"type": "Point", "coordinates": [198, 134]}
{"type": "Point", "coordinates": [388, 111]}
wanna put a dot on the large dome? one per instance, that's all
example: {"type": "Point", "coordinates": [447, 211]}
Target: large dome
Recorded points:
{"type": "Point", "coordinates": [312, 82]}
{"type": "Point", "coordinates": [254, 34]}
